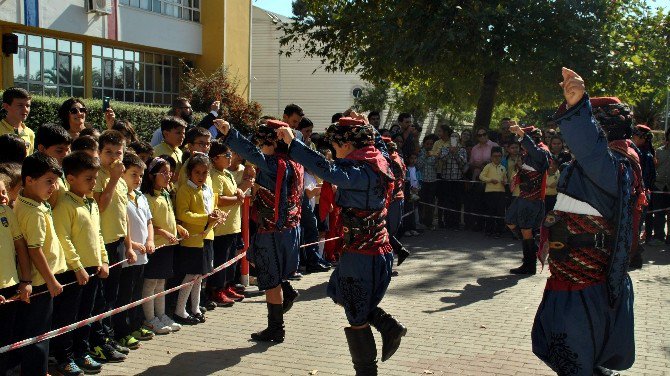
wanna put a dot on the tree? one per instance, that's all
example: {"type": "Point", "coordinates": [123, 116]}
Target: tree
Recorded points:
{"type": "Point", "coordinates": [461, 53]}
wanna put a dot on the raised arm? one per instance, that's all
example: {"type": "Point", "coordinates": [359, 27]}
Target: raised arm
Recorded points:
{"type": "Point", "coordinates": [539, 157]}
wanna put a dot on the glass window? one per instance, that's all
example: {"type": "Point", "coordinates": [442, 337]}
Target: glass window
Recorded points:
{"type": "Point", "coordinates": [64, 69]}
{"type": "Point", "coordinates": [49, 44]}
{"type": "Point", "coordinates": [188, 10]}
{"type": "Point", "coordinates": [35, 65]}
{"type": "Point", "coordinates": [20, 65]}
{"type": "Point", "coordinates": [77, 48]}
{"type": "Point", "coordinates": [34, 41]}
{"type": "Point", "coordinates": [63, 45]}
{"type": "Point", "coordinates": [97, 50]}
{"type": "Point", "coordinates": [77, 70]}
{"type": "Point", "coordinates": [50, 68]}
{"type": "Point", "coordinates": [97, 72]}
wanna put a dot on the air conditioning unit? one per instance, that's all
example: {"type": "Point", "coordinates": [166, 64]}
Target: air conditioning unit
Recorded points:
{"type": "Point", "coordinates": [100, 7]}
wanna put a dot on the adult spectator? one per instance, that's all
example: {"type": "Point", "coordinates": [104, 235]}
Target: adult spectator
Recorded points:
{"type": "Point", "coordinates": [336, 116]}
{"type": "Point", "coordinates": [409, 133]}
{"type": "Point", "coordinates": [479, 157]}
{"type": "Point", "coordinates": [466, 138]}
{"type": "Point", "coordinates": [181, 108]}
{"type": "Point", "coordinates": [452, 161]}
{"type": "Point", "coordinates": [662, 200]}
{"type": "Point", "coordinates": [642, 137]}
{"type": "Point", "coordinates": [292, 116]}
{"type": "Point", "coordinates": [548, 135]}
{"type": "Point", "coordinates": [506, 137]}
{"type": "Point", "coordinates": [555, 145]}
{"type": "Point", "coordinates": [375, 119]}
{"type": "Point", "coordinates": [72, 115]}
{"type": "Point", "coordinates": [426, 163]}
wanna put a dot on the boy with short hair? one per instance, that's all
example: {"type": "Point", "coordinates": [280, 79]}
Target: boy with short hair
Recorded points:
{"type": "Point", "coordinates": [54, 141]}
{"type": "Point", "coordinates": [39, 174]}
{"type": "Point", "coordinates": [111, 194]}
{"type": "Point", "coordinates": [12, 247]}
{"type": "Point", "coordinates": [495, 177]}
{"type": "Point", "coordinates": [16, 101]}
{"type": "Point", "coordinates": [77, 224]}
{"type": "Point", "coordinates": [87, 144]}
{"type": "Point", "coordinates": [174, 131]}
{"type": "Point", "coordinates": [143, 149]}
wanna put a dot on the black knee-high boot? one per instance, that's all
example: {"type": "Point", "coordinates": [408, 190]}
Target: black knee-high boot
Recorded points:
{"type": "Point", "coordinates": [363, 350]}
{"type": "Point", "coordinates": [275, 330]}
{"type": "Point", "coordinates": [529, 264]}
{"type": "Point", "coordinates": [290, 295]}
{"type": "Point", "coordinates": [391, 330]}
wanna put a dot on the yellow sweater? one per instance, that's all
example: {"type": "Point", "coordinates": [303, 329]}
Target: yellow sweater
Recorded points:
{"type": "Point", "coordinates": [192, 213]}
{"type": "Point", "coordinates": [493, 172]}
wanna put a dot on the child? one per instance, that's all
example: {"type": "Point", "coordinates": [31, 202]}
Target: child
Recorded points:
{"type": "Point", "coordinates": [160, 266]}
{"type": "Point", "coordinates": [77, 224]}
{"type": "Point", "coordinates": [143, 149]}
{"type": "Point", "coordinates": [228, 198]}
{"type": "Point", "coordinates": [495, 177]}
{"type": "Point", "coordinates": [128, 325]}
{"type": "Point", "coordinates": [197, 141]}
{"type": "Point", "coordinates": [173, 130]}
{"type": "Point", "coordinates": [552, 182]}
{"type": "Point", "coordinates": [54, 141]}
{"type": "Point", "coordinates": [39, 174]}
{"type": "Point", "coordinates": [512, 163]}
{"type": "Point", "coordinates": [12, 247]}
{"type": "Point", "coordinates": [90, 132]}
{"type": "Point", "coordinates": [11, 173]}
{"type": "Point", "coordinates": [111, 194]}
{"type": "Point", "coordinates": [412, 187]}
{"type": "Point", "coordinates": [16, 101]}
{"type": "Point", "coordinates": [87, 144]}
{"type": "Point", "coordinates": [195, 210]}
{"type": "Point", "coordinates": [12, 149]}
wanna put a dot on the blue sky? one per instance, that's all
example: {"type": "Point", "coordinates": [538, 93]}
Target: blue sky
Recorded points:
{"type": "Point", "coordinates": [283, 7]}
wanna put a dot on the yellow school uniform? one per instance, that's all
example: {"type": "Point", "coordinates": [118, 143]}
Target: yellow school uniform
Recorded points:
{"type": "Point", "coordinates": [162, 212]}
{"type": "Point", "coordinates": [493, 172]}
{"type": "Point", "coordinates": [113, 221]}
{"type": "Point", "coordinates": [175, 153]}
{"type": "Point", "coordinates": [23, 131]}
{"type": "Point", "coordinates": [182, 179]}
{"type": "Point", "coordinates": [192, 213]}
{"type": "Point", "coordinates": [224, 185]}
{"type": "Point", "coordinates": [77, 224]}
{"type": "Point", "coordinates": [9, 232]}
{"type": "Point", "coordinates": [37, 227]}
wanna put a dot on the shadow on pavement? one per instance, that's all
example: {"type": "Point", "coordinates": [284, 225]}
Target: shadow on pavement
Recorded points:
{"type": "Point", "coordinates": [201, 363]}
{"type": "Point", "coordinates": [485, 289]}
{"type": "Point", "coordinates": [315, 292]}
{"type": "Point", "coordinates": [656, 255]}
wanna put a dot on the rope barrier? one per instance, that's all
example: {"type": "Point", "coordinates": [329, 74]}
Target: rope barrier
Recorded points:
{"type": "Point", "coordinates": [459, 211]}
{"type": "Point", "coordinates": [79, 324]}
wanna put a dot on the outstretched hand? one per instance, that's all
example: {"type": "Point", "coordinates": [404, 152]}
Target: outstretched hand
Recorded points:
{"type": "Point", "coordinates": [285, 134]}
{"type": "Point", "coordinates": [222, 126]}
{"type": "Point", "coordinates": [573, 86]}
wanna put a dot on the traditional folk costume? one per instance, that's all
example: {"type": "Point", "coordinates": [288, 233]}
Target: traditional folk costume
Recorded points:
{"type": "Point", "coordinates": [359, 282]}
{"type": "Point", "coordinates": [527, 210]}
{"type": "Point", "coordinates": [396, 206]}
{"type": "Point", "coordinates": [585, 320]}
{"type": "Point", "coordinates": [274, 249]}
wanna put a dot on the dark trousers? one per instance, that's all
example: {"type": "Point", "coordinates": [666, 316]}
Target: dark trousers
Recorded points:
{"type": "Point", "coordinates": [549, 203]}
{"type": "Point", "coordinates": [65, 309]}
{"type": "Point", "coordinates": [474, 203]}
{"type": "Point", "coordinates": [495, 203]}
{"type": "Point", "coordinates": [450, 195]}
{"type": "Point", "coordinates": [80, 336]}
{"type": "Point", "coordinates": [660, 201]}
{"type": "Point", "coordinates": [427, 194]}
{"type": "Point", "coordinates": [106, 300]}
{"type": "Point", "coordinates": [224, 250]}
{"type": "Point", "coordinates": [35, 319]}
{"type": "Point", "coordinates": [7, 323]}
{"type": "Point", "coordinates": [309, 233]}
{"type": "Point", "coordinates": [130, 289]}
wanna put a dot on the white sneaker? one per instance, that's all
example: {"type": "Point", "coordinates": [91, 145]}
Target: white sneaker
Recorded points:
{"type": "Point", "coordinates": [167, 321]}
{"type": "Point", "coordinates": [156, 326]}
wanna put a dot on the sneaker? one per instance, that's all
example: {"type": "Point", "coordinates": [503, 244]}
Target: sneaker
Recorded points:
{"type": "Point", "coordinates": [107, 354]}
{"type": "Point", "coordinates": [156, 326]}
{"type": "Point", "coordinates": [143, 334]}
{"type": "Point", "coordinates": [130, 342]}
{"type": "Point", "coordinates": [116, 346]}
{"type": "Point", "coordinates": [88, 365]}
{"type": "Point", "coordinates": [167, 321]}
{"type": "Point", "coordinates": [69, 368]}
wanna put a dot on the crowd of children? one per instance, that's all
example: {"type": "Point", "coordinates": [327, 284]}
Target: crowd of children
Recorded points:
{"type": "Point", "coordinates": [89, 225]}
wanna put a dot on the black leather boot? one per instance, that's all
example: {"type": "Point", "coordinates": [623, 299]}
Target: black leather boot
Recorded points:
{"type": "Point", "coordinates": [400, 251]}
{"type": "Point", "coordinates": [290, 295]}
{"type": "Point", "coordinates": [529, 264]}
{"type": "Point", "coordinates": [363, 350]}
{"type": "Point", "coordinates": [391, 330]}
{"type": "Point", "coordinates": [602, 371]}
{"type": "Point", "coordinates": [275, 330]}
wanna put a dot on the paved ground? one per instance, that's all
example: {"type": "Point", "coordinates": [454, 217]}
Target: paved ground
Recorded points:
{"type": "Point", "coordinates": [465, 314]}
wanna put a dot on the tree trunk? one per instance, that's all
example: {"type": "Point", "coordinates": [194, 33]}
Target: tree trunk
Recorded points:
{"type": "Point", "coordinates": [486, 101]}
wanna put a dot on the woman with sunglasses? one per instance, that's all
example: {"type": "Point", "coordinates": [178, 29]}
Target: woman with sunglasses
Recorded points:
{"type": "Point", "coordinates": [72, 115]}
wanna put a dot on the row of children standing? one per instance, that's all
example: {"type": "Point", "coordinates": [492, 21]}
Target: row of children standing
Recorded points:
{"type": "Point", "coordinates": [68, 217]}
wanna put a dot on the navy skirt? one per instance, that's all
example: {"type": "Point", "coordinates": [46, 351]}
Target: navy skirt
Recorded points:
{"type": "Point", "coordinates": [525, 214]}
{"type": "Point", "coordinates": [161, 263]}
{"type": "Point", "coordinates": [195, 260]}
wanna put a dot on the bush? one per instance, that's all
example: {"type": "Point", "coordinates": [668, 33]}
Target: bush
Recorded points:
{"type": "Point", "coordinates": [145, 119]}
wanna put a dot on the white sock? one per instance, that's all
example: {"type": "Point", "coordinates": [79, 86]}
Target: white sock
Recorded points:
{"type": "Point", "coordinates": [195, 295]}
{"type": "Point", "coordinates": [180, 310]}
{"type": "Point", "coordinates": [160, 301]}
{"type": "Point", "coordinates": [148, 290]}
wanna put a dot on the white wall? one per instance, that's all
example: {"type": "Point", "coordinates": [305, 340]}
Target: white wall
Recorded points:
{"type": "Point", "coordinates": [277, 81]}
{"type": "Point", "coordinates": [134, 25]}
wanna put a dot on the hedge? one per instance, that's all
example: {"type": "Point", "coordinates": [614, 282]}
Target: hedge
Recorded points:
{"type": "Point", "coordinates": [145, 118]}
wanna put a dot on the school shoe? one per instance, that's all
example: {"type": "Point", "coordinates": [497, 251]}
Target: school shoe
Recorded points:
{"type": "Point", "coordinates": [290, 295]}
{"type": "Point", "coordinates": [232, 294]}
{"type": "Point", "coordinates": [188, 320]}
{"type": "Point", "coordinates": [156, 326]}
{"type": "Point", "coordinates": [275, 330]}
{"type": "Point", "coordinates": [296, 276]}
{"type": "Point", "coordinates": [200, 317]}
{"type": "Point", "coordinates": [317, 268]}
{"type": "Point", "coordinates": [88, 365]}
{"type": "Point", "coordinates": [363, 350]}
{"type": "Point", "coordinates": [167, 321]}
{"type": "Point", "coordinates": [130, 342]}
{"type": "Point", "coordinates": [210, 305]}
{"type": "Point", "coordinates": [107, 354]}
{"type": "Point", "coordinates": [122, 349]}
{"type": "Point", "coordinates": [69, 368]}
{"type": "Point", "coordinates": [391, 330]}
{"type": "Point", "coordinates": [239, 288]}
{"type": "Point", "coordinates": [222, 299]}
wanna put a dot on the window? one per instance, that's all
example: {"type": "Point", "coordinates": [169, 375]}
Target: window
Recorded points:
{"type": "Point", "coordinates": [135, 76]}
{"type": "Point", "coordinates": [49, 66]}
{"type": "Point", "coordinates": [188, 10]}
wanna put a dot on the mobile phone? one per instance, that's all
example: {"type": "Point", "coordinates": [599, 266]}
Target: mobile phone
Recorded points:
{"type": "Point", "coordinates": [105, 104]}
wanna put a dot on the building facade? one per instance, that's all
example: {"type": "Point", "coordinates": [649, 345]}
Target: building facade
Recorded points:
{"type": "Point", "coordinates": [129, 50]}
